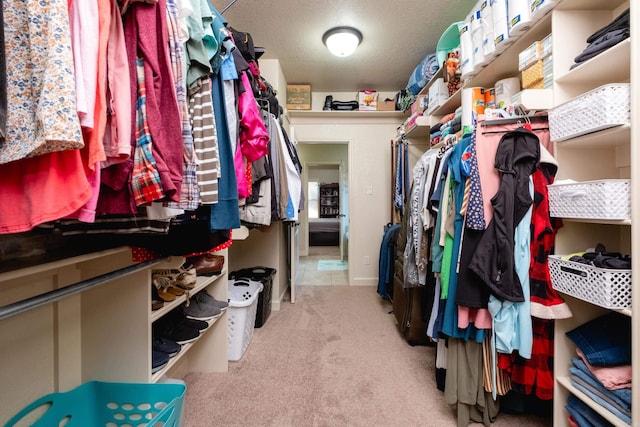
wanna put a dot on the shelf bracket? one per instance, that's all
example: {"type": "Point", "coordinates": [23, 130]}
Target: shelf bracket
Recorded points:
{"type": "Point", "coordinates": [27, 304]}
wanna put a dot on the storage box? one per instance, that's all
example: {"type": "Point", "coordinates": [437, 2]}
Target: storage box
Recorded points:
{"type": "Point", "coordinates": [107, 403]}
{"type": "Point", "coordinates": [607, 288]}
{"type": "Point", "coordinates": [601, 108]}
{"type": "Point", "coordinates": [367, 100]}
{"type": "Point", "coordinates": [534, 75]}
{"type": "Point", "coordinates": [534, 52]}
{"type": "Point", "coordinates": [265, 276]}
{"type": "Point", "coordinates": [241, 316]}
{"type": "Point", "coordinates": [601, 199]}
{"type": "Point", "coordinates": [387, 105]}
{"type": "Point", "coordinates": [299, 97]}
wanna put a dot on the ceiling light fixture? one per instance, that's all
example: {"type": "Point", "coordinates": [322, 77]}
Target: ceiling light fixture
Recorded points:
{"type": "Point", "coordinates": [342, 41]}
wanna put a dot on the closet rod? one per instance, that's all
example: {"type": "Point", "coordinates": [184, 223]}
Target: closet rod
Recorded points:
{"type": "Point", "coordinates": [511, 120]}
{"type": "Point", "coordinates": [227, 7]}
{"type": "Point", "coordinates": [19, 307]}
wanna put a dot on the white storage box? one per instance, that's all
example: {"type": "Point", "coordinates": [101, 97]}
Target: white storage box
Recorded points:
{"type": "Point", "coordinates": [601, 108]}
{"type": "Point", "coordinates": [602, 199]}
{"type": "Point", "coordinates": [241, 315]}
{"type": "Point", "coordinates": [607, 288]}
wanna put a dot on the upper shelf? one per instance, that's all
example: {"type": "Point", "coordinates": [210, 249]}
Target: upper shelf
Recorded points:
{"type": "Point", "coordinates": [611, 65]}
{"type": "Point", "coordinates": [333, 113]}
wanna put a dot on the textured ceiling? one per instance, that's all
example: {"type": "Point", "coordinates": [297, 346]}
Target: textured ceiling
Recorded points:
{"type": "Point", "coordinates": [397, 35]}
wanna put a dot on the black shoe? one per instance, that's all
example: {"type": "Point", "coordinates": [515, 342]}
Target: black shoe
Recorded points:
{"type": "Point", "coordinates": [165, 346]}
{"type": "Point", "coordinates": [176, 332]}
{"type": "Point", "coordinates": [158, 360]}
{"type": "Point", "coordinates": [327, 103]}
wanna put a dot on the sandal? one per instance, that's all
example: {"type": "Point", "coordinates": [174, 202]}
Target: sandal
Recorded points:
{"type": "Point", "coordinates": [156, 302]}
{"type": "Point", "coordinates": [182, 277]}
{"type": "Point", "coordinates": [162, 285]}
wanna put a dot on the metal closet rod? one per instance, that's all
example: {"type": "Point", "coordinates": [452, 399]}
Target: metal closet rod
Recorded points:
{"type": "Point", "coordinates": [19, 307]}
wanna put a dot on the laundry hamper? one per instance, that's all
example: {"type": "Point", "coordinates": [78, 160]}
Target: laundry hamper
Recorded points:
{"type": "Point", "coordinates": [241, 315]}
{"type": "Point", "coordinates": [97, 403]}
{"type": "Point", "coordinates": [265, 276]}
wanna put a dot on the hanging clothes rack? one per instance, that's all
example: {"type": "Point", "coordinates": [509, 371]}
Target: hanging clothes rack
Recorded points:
{"type": "Point", "coordinates": [27, 304]}
{"type": "Point", "coordinates": [227, 7]}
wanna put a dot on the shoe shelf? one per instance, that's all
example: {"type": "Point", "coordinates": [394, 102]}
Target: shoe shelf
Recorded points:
{"type": "Point", "coordinates": [156, 376]}
{"type": "Point", "coordinates": [201, 283]}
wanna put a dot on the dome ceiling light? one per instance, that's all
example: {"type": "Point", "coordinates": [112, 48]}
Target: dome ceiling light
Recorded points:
{"type": "Point", "coordinates": [342, 41]}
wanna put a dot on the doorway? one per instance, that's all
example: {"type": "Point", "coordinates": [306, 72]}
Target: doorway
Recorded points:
{"type": "Point", "coordinates": [324, 223]}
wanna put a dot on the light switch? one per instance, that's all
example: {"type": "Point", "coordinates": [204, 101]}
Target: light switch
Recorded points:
{"type": "Point", "coordinates": [368, 190]}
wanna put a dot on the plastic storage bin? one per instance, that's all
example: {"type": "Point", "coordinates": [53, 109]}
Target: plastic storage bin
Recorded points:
{"type": "Point", "coordinates": [607, 288]}
{"type": "Point", "coordinates": [601, 108]}
{"type": "Point", "coordinates": [241, 316]}
{"type": "Point", "coordinates": [97, 403]}
{"type": "Point", "coordinates": [602, 199]}
{"type": "Point", "coordinates": [265, 276]}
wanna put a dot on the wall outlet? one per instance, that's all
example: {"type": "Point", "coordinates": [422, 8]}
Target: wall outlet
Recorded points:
{"type": "Point", "coordinates": [366, 260]}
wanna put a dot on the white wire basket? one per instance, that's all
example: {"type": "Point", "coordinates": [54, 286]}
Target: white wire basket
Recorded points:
{"type": "Point", "coordinates": [606, 288]}
{"type": "Point", "coordinates": [607, 199]}
{"type": "Point", "coordinates": [601, 108]}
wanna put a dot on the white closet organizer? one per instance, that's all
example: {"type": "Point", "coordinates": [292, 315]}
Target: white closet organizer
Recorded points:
{"type": "Point", "coordinates": [100, 333]}
{"type": "Point", "coordinates": [606, 154]}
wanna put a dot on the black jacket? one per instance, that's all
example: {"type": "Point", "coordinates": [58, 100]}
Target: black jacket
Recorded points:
{"type": "Point", "coordinates": [516, 158]}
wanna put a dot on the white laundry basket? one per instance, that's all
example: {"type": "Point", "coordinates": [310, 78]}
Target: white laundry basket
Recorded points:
{"type": "Point", "coordinates": [241, 315]}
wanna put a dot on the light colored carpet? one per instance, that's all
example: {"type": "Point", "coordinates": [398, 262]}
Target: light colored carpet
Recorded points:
{"type": "Point", "coordinates": [334, 358]}
{"type": "Point", "coordinates": [332, 265]}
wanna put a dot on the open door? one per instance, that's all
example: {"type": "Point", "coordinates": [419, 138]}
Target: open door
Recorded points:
{"type": "Point", "coordinates": [344, 213]}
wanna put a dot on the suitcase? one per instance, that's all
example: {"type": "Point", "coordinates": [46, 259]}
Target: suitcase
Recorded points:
{"type": "Point", "coordinates": [411, 306]}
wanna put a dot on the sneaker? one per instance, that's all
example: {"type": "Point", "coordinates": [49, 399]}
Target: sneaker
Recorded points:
{"type": "Point", "coordinates": [178, 317]}
{"type": "Point", "coordinates": [165, 345]}
{"type": "Point", "coordinates": [158, 360]}
{"type": "Point", "coordinates": [200, 311]}
{"type": "Point", "coordinates": [179, 333]}
{"type": "Point", "coordinates": [204, 298]}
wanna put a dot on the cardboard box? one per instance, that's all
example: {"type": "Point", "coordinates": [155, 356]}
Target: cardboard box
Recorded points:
{"type": "Point", "coordinates": [298, 97]}
{"type": "Point", "coordinates": [368, 100]}
{"type": "Point", "coordinates": [387, 105]}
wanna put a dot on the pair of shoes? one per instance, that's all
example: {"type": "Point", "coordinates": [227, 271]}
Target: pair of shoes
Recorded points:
{"type": "Point", "coordinates": [165, 345]}
{"type": "Point", "coordinates": [158, 360]}
{"type": "Point", "coordinates": [183, 277]}
{"type": "Point", "coordinates": [156, 302]}
{"type": "Point", "coordinates": [178, 332]}
{"type": "Point", "coordinates": [203, 297]}
{"type": "Point", "coordinates": [208, 264]}
{"type": "Point", "coordinates": [177, 316]}
{"type": "Point", "coordinates": [162, 285]}
{"type": "Point", "coordinates": [198, 310]}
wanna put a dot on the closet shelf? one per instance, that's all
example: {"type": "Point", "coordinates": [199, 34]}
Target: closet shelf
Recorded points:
{"type": "Point", "coordinates": [566, 383]}
{"type": "Point", "coordinates": [611, 65]}
{"type": "Point", "coordinates": [332, 113]}
{"type": "Point", "coordinates": [201, 283]}
{"type": "Point", "coordinates": [612, 137]}
{"type": "Point", "coordinates": [599, 221]}
{"type": "Point", "coordinates": [156, 376]}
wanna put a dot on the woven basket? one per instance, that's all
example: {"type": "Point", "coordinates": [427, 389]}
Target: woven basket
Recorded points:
{"type": "Point", "coordinates": [602, 199]}
{"type": "Point", "coordinates": [601, 108]}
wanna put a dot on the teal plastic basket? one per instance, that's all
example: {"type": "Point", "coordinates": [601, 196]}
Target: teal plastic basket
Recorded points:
{"type": "Point", "coordinates": [107, 404]}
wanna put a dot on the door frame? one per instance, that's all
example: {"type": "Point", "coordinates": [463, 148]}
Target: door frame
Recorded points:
{"type": "Point", "coordinates": [346, 164]}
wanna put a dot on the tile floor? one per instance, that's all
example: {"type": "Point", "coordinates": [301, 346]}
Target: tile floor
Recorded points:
{"type": "Point", "coordinates": [308, 273]}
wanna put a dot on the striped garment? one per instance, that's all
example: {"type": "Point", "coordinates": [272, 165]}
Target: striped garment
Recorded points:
{"type": "Point", "coordinates": [205, 139]}
{"type": "Point", "coordinates": [145, 180]}
{"type": "Point", "coordinates": [189, 194]}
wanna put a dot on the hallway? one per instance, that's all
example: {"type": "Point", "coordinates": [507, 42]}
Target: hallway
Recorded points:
{"type": "Point", "coordinates": [311, 273]}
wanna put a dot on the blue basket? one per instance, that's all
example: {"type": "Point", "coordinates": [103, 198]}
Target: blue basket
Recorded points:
{"type": "Point", "coordinates": [98, 403]}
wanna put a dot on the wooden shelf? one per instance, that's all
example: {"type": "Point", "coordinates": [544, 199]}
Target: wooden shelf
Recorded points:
{"type": "Point", "coordinates": [566, 383]}
{"type": "Point", "coordinates": [329, 114]}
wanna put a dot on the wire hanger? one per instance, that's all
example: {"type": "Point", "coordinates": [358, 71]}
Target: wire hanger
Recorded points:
{"type": "Point", "coordinates": [227, 7]}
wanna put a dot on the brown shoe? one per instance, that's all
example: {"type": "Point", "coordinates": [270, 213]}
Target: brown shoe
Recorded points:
{"type": "Point", "coordinates": [208, 264]}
